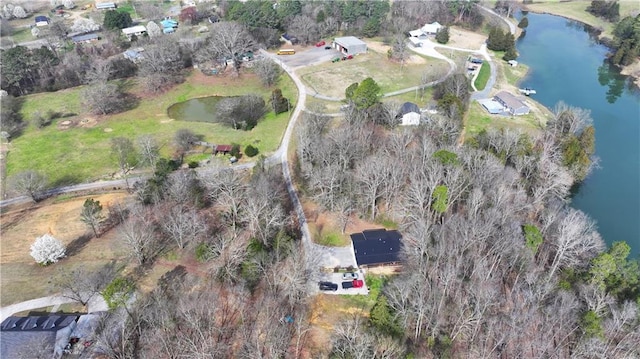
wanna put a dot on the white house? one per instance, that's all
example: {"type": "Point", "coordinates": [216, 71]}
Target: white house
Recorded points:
{"type": "Point", "coordinates": [415, 41]}
{"type": "Point", "coordinates": [431, 29]}
{"type": "Point", "coordinates": [410, 114]}
{"type": "Point", "coordinates": [137, 30]}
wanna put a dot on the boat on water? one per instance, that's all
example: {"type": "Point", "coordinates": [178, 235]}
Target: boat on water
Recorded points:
{"type": "Point", "coordinates": [528, 91]}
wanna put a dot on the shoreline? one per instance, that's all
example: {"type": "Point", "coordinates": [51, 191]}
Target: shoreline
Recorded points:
{"type": "Point", "coordinates": [632, 70]}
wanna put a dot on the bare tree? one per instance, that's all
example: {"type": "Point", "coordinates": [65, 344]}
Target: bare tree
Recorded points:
{"type": "Point", "coordinates": [305, 29]}
{"type": "Point", "coordinates": [103, 98]}
{"type": "Point", "coordinates": [125, 155]}
{"type": "Point", "coordinates": [184, 139]}
{"type": "Point", "coordinates": [29, 183]}
{"type": "Point", "coordinates": [138, 234]}
{"type": "Point", "coordinates": [153, 29]}
{"type": "Point", "coordinates": [227, 39]}
{"type": "Point", "coordinates": [182, 224]}
{"type": "Point", "coordinates": [161, 65]}
{"type": "Point", "coordinates": [81, 283]}
{"type": "Point", "coordinates": [228, 190]}
{"type": "Point", "coordinates": [149, 150]}
{"type": "Point", "coordinates": [267, 70]}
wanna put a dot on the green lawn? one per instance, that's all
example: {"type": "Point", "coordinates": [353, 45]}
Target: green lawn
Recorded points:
{"type": "Point", "coordinates": [81, 154]}
{"type": "Point", "coordinates": [22, 35]}
{"type": "Point", "coordinates": [577, 10]}
{"type": "Point", "coordinates": [331, 79]}
{"type": "Point", "coordinates": [479, 119]}
{"type": "Point", "coordinates": [483, 76]}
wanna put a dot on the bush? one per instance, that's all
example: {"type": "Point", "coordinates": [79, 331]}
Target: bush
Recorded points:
{"type": "Point", "coordinates": [118, 292]}
{"type": "Point", "coordinates": [251, 151]}
{"type": "Point", "coordinates": [203, 252]}
{"type": "Point", "coordinates": [47, 249]}
{"type": "Point", "coordinates": [442, 36]}
{"type": "Point", "coordinates": [193, 164]}
{"type": "Point", "coordinates": [235, 150]}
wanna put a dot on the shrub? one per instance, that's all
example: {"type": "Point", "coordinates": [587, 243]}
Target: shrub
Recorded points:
{"type": "Point", "coordinates": [193, 164]}
{"type": "Point", "coordinates": [118, 292]}
{"type": "Point", "coordinates": [47, 249]}
{"type": "Point", "coordinates": [251, 151]}
{"type": "Point", "coordinates": [203, 252]}
{"type": "Point", "coordinates": [235, 150]}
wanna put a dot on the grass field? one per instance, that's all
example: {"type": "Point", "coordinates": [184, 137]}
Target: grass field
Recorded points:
{"type": "Point", "coordinates": [483, 76]}
{"type": "Point", "coordinates": [82, 152]}
{"type": "Point", "coordinates": [331, 79]}
{"type": "Point", "coordinates": [576, 10]}
{"type": "Point", "coordinates": [479, 119]}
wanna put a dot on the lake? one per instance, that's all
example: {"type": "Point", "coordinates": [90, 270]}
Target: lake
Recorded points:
{"type": "Point", "coordinates": [567, 64]}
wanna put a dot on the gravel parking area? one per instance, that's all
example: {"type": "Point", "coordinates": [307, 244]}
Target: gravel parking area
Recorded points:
{"type": "Point", "coordinates": [337, 278]}
{"type": "Point", "coordinates": [310, 56]}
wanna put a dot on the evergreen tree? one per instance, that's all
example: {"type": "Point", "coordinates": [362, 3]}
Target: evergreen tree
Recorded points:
{"type": "Point", "coordinates": [117, 20]}
{"type": "Point", "coordinates": [511, 54]}
{"type": "Point", "coordinates": [442, 36]}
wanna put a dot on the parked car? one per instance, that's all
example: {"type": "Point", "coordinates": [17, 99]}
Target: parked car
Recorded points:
{"type": "Point", "coordinates": [336, 59]}
{"type": "Point", "coordinates": [328, 286]}
{"type": "Point", "coordinates": [321, 43]}
{"type": "Point", "coordinates": [349, 276]}
{"type": "Point", "coordinates": [328, 47]}
{"type": "Point", "coordinates": [358, 283]}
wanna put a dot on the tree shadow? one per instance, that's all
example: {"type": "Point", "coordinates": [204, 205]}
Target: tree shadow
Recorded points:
{"type": "Point", "coordinates": [77, 244]}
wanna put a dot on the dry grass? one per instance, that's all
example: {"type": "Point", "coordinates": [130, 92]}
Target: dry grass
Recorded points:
{"type": "Point", "coordinates": [21, 278]}
{"type": "Point", "coordinates": [465, 39]}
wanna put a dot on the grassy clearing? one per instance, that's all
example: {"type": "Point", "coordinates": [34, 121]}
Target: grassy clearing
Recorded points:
{"type": "Point", "coordinates": [331, 79]}
{"type": "Point", "coordinates": [479, 119]}
{"type": "Point", "coordinates": [413, 96]}
{"type": "Point", "coordinates": [22, 34]}
{"type": "Point", "coordinates": [20, 277]}
{"type": "Point", "coordinates": [332, 239]}
{"type": "Point", "coordinates": [576, 10]}
{"type": "Point", "coordinates": [82, 152]}
{"type": "Point", "coordinates": [483, 76]}
{"type": "Point", "coordinates": [513, 75]}
{"type": "Point", "coordinates": [328, 106]}
{"type": "Point", "coordinates": [386, 222]}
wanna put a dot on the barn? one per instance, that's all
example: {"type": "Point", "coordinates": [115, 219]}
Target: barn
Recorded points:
{"type": "Point", "coordinates": [350, 45]}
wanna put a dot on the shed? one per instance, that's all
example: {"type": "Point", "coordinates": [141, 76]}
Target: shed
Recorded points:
{"type": "Point", "coordinates": [224, 149]}
{"type": "Point", "coordinates": [20, 335]}
{"type": "Point", "coordinates": [291, 40]}
{"type": "Point", "coordinates": [511, 103]}
{"type": "Point", "coordinates": [168, 23]}
{"type": "Point", "coordinates": [42, 20]}
{"type": "Point", "coordinates": [431, 29]}
{"type": "Point", "coordinates": [85, 38]}
{"type": "Point", "coordinates": [105, 5]}
{"type": "Point", "coordinates": [513, 63]}
{"type": "Point", "coordinates": [350, 45]}
{"type": "Point", "coordinates": [410, 114]}
{"type": "Point", "coordinates": [375, 247]}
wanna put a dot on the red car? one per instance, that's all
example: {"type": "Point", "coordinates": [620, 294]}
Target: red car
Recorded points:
{"type": "Point", "coordinates": [358, 283]}
{"type": "Point", "coordinates": [321, 43]}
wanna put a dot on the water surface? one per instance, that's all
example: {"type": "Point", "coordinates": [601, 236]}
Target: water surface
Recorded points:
{"type": "Point", "coordinates": [568, 64]}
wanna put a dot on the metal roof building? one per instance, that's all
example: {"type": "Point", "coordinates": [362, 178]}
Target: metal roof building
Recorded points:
{"type": "Point", "coordinates": [350, 45]}
{"type": "Point", "coordinates": [377, 247]}
{"type": "Point", "coordinates": [511, 103]}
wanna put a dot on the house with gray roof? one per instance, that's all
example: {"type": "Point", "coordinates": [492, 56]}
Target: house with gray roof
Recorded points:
{"type": "Point", "coordinates": [350, 45]}
{"type": "Point", "coordinates": [32, 336]}
{"type": "Point", "coordinates": [511, 103]}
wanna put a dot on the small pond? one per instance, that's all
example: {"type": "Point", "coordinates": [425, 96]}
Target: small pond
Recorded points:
{"type": "Point", "coordinates": [201, 109]}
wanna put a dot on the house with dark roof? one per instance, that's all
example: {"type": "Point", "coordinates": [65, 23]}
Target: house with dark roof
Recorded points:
{"type": "Point", "coordinates": [410, 114]}
{"type": "Point", "coordinates": [377, 247]}
{"type": "Point", "coordinates": [511, 103]}
{"type": "Point", "coordinates": [20, 336]}
{"type": "Point", "coordinates": [42, 20]}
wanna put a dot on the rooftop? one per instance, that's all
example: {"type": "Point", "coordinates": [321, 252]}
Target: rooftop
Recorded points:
{"type": "Point", "coordinates": [37, 323]}
{"type": "Point", "coordinates": [134, 29]}
{"type": "Point", "coordinates": [508, 100]}
{"type": "Point", "coordinates": [349, 41]}
{"type": "Point", "coordinates": [409, 107]}
{"type": "Point", "coordinates": [377, 246]}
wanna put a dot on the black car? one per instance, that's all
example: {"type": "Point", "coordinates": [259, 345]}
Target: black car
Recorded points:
{"type": "Point", "coordinates": [347, 285]}
{"type": "Point", "coordinates": [328, 286]}
{"type": "Point", "coordinates": [328, 47]}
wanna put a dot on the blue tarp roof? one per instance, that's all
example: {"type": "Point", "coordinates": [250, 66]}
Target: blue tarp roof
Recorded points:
{"type": "Point", "coordinates": [41, 18]}
{"type": "Point", "coordinates": [168, 23]}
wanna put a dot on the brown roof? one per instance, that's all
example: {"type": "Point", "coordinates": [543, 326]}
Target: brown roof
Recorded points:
{"type": "Point", "coordinates": [223, 148]}
{"type": "Point", "coordinates": [509, 100]}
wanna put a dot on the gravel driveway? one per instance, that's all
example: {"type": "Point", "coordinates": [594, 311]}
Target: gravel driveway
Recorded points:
{"type": "Point", "coordinates": [311, 56]}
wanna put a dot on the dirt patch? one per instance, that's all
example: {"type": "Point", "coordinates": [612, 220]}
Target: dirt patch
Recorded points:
{"type": "Point", "coordinates": [379, 47]}
{"type": "Point", "coordinates": [633, 70]}
{"type": "Point", "coordinates": [465, 39]}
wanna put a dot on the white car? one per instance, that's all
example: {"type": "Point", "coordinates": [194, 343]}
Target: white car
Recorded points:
{"type": "Point", "coordinates": [349, 276]}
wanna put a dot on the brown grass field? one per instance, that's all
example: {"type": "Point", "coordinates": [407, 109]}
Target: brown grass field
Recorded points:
{"type": "Point", "coordinates": [20, 277]}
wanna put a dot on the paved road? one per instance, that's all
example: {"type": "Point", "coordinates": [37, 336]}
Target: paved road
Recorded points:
{"type": "Point", "coordinates": [512, 26]}
{"type": "Point", "coordinates": [96, 304]}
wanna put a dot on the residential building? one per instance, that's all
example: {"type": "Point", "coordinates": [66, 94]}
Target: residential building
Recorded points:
{"type": "Point", "coordinates": [105, 5]}
{"type": "Point", "coordinates": [377, 247]}
{"type": "Point", "coordinates": [22, 335]}
{"type": "Point", "coordinates": [511, 103]}
{"type": "Point", "coordinates": [42, 20]}
{"type": "Point", "coordinates": [410, 114]}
